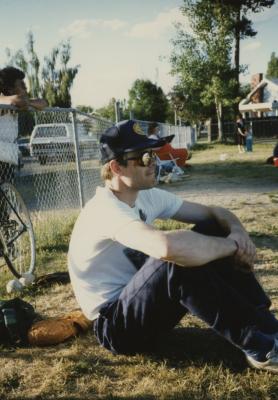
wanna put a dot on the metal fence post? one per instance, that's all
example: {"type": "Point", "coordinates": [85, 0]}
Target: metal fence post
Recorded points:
{"type": "Point", "coordinates": [77, 159]}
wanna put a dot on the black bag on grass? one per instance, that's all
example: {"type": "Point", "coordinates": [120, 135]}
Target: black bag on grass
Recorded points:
{"type": "Point", "coordinates": [16, 318]}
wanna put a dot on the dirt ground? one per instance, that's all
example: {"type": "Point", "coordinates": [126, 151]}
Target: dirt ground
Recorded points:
{"type": "Point", "coordinates": [239, 178]}
{"type": "Point", "coordinates": [225, 193]}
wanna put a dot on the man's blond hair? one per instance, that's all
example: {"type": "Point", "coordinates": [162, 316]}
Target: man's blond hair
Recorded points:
{"type": "Point", "coordinates": [106, 173]}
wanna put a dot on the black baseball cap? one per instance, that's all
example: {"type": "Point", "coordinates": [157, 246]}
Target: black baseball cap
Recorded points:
{"type": "Point", "coordinates": [124, 137]}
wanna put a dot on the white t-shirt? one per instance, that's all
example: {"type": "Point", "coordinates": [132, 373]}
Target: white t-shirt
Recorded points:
{"type": "Point", "coordinates": [8, 136]}
{"type": "Point", "coordinates": [98, 267]}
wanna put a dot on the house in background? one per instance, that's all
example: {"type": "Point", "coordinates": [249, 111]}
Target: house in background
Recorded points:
{"type": "Point", "coordinates": [263, 98]}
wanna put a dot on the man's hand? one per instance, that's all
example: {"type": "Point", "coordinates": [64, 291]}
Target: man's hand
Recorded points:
{"type": "Point", "coordinates": [19, 101]}
{"type": "Point", "coordinates": [39, 104]}
{"type": "Point", "coordinates": [245, 255]}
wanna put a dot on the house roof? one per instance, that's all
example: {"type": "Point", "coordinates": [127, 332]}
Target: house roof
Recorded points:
{"type": "Point", "coordinates": [262, 107]}
{"type": "Point", "coordinates": [246, 105]}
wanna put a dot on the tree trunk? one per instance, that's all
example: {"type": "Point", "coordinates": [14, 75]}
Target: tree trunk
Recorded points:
{"type": "Point", "coordinates": [219, 119]}
{"type": "Point", "coordinates": [208, 123]}
{"type": "Point", "coordinates": [237, 46]}
{"type": "Point", "coordinates": [198, 129]}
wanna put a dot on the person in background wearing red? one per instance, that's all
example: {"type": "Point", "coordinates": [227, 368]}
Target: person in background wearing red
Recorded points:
{"type": "Point", "coordinates": [165, 152]}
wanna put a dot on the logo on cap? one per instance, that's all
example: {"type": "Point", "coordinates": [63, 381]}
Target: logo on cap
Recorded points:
{"type": "Point", "coordinates": [137, 129]}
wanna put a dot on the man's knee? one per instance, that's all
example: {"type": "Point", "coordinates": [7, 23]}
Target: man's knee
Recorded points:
{"type": "Point", "coordinates": [210, 227]}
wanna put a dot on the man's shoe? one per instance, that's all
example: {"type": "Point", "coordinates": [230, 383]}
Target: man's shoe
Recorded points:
{"type": "Point", "coordinates": [271, 363]}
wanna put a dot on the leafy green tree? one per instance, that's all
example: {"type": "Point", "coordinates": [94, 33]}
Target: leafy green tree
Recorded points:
{"type": "Point", "coordinates": [85, 109]}
{"type": "Point", "coordinates": [202, 62]}
{"type": "Point", "coordinates": [58, 77]}
{"type": "Point", "coordinates": [54, 79]}
{"type": "Point", "coordinates": [272, 67]}
{"type": "Point", "coordinates": [147, 101]}
{"type": "Point", "coordinates": [108, 111]}
{"type": "Point", "coordinates": [235, 13]}
{"type": "Point", "coordinates": [29, 64]}
{"type": "Point", "coordinates": [241, 24]}
{"type": "Point", "coordinates": [124, 112]}
{"type": "Point", "coordinates": [244, 90]}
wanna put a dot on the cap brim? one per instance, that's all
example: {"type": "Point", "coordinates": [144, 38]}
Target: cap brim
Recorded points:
{"type": "Point", "coordinates": [151, 143]}
{"type": "Point", "coordinates": [169, 138]}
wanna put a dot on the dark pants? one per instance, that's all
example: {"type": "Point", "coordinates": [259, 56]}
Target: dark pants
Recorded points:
{"type": "Point", "coordinates": [230, 301]}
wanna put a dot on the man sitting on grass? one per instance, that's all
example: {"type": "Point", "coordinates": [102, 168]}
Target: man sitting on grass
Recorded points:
{"type": "Point", "coordinates": [136, 282]}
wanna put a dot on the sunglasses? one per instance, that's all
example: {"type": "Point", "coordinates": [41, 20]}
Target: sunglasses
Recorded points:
{"type": "Point", "coordinates": [144, 159]}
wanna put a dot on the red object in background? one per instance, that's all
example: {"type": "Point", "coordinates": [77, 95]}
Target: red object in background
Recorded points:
{"type": "Point", "coordinates": [275, 161]}
{"type": "Point", "coordinates": [180, 155]}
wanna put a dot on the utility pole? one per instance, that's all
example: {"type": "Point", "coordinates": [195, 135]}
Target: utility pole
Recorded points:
{"type": "Point", "coordinates": [117, 111]}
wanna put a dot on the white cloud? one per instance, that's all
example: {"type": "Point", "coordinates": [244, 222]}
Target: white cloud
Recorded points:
{"type": "Point", "coordinates": [114, 24]}
{"type": "Point", "coordinates": [252, 46]}
{"type": "Point", "coordinates": [78, 28]}
{"type": "Point", "coordinates": [83, 28]}
{"type": "Point", "coordinates": [155, 28]}
{"type": "Point", "coordinates": [164, 21]}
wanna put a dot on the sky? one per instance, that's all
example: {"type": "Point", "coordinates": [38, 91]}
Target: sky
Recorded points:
{"type": "Point", "coordinates": [116, 42]}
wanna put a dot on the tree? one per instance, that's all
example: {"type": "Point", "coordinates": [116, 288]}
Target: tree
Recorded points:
{"type": "Point", "coordinates": [241, 25]}
{"type": "Point", "coordinates": [55, 79]}
{"type": "Point", "coordinates": [237, 20]}
{"type": "Point", "coordinates": [147, 101]}
{"type": "Point", "coordinates": [272, 67]}
{"type": "Point", "coordinates": [202, 61]}
{"type": "Point", "coordinates": [85, 109]}
{"type": "Point", "coordinates": [59, 80]}
{"type": "Point", "coordinates": [108, 111]}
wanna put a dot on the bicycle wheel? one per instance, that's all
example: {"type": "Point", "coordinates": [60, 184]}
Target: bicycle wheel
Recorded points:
{"type": "Point", "coordinates": [16, 232]}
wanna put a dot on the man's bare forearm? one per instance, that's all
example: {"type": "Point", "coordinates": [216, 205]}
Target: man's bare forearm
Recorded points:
{"type": "Point", "coordinates": [39, 104]}
{"type": "Point", "coordinates": [23, 102]}
{"type": "Point", "coordinates": [191, 249]}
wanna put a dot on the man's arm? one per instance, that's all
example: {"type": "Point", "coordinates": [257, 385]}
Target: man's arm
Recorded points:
{"type": "Point", "coordinates": [194, 213]}
{"type": "Point", "coordinates": [185, 248]}
{"type": "Point", "coordinates": [16, 100]}
{"type": "Point", "coordinates": [39, 104]}
{"type": "Point", "coordinates": [240, 131]}
{"type": "Point", "coordinates": [23, 102]}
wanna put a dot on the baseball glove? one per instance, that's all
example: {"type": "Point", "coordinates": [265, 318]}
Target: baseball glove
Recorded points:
{"type": "Point", "coordinates": [57, 330]}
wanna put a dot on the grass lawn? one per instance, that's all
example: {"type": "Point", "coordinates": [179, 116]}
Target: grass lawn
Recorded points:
{"type": "Point", "coordinates": [192, 362]}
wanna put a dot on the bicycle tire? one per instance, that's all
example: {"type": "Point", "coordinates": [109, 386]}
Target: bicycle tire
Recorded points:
{"type": "Point", "coordinates": [16, 232]}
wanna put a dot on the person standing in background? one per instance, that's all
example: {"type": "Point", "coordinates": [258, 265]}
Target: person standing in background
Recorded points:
{"type": "Point", "coordinates": [241, 134]}
{"type": "Point", "coordinates": [249, 137]}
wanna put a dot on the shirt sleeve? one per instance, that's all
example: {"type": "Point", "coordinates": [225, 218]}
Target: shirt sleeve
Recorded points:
{"type": "Point", "coordinates": [165, 204]}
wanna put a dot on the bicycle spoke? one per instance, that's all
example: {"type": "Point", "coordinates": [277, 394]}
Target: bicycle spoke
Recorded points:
{"type": "Point", "coordinates": [16, 232]}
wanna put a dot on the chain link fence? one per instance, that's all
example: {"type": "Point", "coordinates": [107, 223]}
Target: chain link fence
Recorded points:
{"type": "Point", "coordinates": [52, 157]}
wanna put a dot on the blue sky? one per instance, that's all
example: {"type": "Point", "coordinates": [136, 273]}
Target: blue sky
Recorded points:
{"type": "Point", "coordinates": [117, 41]}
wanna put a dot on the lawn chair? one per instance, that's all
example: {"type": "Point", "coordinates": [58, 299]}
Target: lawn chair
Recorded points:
{"type": "Point", "coordinates": [169, 166]}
